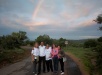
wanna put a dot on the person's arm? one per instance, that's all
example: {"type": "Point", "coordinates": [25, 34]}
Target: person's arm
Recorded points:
{"type": "Point", "coordinates": [59, 54]}
{"type": "Point", "coordinates": [32, 56]}
{"type": "Point", "coordinates": [63, 54]}
{"type": "Point", "coordinates": [52, 53]}
{"type": "Point", "coordinates": [38, 52]}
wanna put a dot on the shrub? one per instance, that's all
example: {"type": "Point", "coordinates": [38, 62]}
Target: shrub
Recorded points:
{"type": "Point", "coordinates": [99, 39]}
{"type": "Point", "coordinates": [90, 43]}
{"type": "Point", "coordinates": [99, 58]}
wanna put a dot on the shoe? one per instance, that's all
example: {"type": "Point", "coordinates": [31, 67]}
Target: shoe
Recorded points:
{"type": "Point", "coordinates": [62, 73]}
{"type": "Point", "coordinates": [35, 74]}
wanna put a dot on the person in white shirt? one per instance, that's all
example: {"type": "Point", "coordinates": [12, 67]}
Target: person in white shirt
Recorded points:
{"type": "Point", "coordinates": [48, 58]}
{"type": "Point", "coordinates": [41, 57]}
{"type": "Point", "coordinates": [35, 57]}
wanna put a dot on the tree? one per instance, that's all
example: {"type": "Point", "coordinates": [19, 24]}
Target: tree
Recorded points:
{"type": "Point", "coordinates": [55, 41]}
{"type": "Point", "coordinates": [90, 43]}
{"type": "Point", "coordinates": [99, 39]}
{"type": "Point", "coordinates": [44, 38]}
{"type": "Point", "coordinates": [12, 41]}
{"type": "Point", "coordinates": [19, 37]}
{"type": "Point", "coordinates": [99, 47]}
{"type": "Point", "coordinates": [99, 20]}
{"type": "Point", "coordinates": [62, 42]}
{"type": "Point", "coordinates": [99, 58]}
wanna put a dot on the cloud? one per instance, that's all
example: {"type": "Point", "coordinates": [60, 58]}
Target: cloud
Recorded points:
{"type": "Point", "coordinates": [66, 18]}
{"type": "Point", "coordinates": [54, 17]}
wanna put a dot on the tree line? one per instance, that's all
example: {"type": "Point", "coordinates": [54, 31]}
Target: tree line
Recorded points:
{"type": "Point", "coordinates": [96, 45]}
{"type": "Point", "coordinates": [15, 40]}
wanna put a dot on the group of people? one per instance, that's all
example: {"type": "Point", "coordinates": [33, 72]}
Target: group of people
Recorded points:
{"type": "Point", "coordinates": [48, 56]}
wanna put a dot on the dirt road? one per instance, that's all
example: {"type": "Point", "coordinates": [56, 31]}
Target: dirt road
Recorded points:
{"type": "Point", "coordinates": [24, 67]}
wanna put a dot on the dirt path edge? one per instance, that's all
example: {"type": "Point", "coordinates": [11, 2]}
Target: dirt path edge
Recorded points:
{"type": "Point", "coordinates": [79, 63]}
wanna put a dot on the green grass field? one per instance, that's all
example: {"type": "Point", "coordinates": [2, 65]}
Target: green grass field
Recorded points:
{"type": "Point", "coordinates": [84, 54]}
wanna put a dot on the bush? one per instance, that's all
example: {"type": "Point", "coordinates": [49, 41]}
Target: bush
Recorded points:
{"type": "Point", "coordinates": [44, 38]}
{"type": "Point", "coordinates": [100, 39]}
{"type": "Point", "coordinates": [61, 42]}
{"type": "Point", "coordinates": [12, 41]}
{"type": "Point", "coordinates": [90, 43]}
{"type": "Point", "coordinates": [10, 55]}
{"type": "Point", "coordinates": [99, 58]}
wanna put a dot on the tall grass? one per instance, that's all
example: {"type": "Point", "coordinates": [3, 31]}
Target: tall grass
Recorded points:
{"type": "Point", "coordinates": [84, 54]}
{"type": "Point", "coordinates": [10, 55]}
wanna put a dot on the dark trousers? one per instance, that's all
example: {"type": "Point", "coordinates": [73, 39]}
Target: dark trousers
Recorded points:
{"type": "Point", "coordinates": [41, 59]}
{"type": "Point", "coordinates": [61, 64]}
{"type": "Point", "coordinates": [49, 65]}
{"type": "Point", "coordinates": [35, 66]}
{"type": "Point", "coordinates": [55, 62]}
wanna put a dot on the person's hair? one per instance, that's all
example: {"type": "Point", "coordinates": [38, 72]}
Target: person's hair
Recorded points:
{"type": "Point", "coordinates": [55, 45]}
{"type": "Point", "coordinates": [60, 47]}
{"type": "Point", "coordinates": [41, 42]}
{"type": "Point", "coordinates": [47, 45]}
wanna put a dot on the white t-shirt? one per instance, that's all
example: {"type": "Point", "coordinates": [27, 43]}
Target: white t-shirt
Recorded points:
{"type": "Point", "coordinates": [48, 54]}
{"type": "Point", "coordinates": [35, 52]}
{"type": "Point", "coordinates": [42, 50]}
{"type": "Point", "coordinates": [50, 48]}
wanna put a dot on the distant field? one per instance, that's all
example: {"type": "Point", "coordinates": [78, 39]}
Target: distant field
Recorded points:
{"type": "Point", "coordinates": [84, 54]}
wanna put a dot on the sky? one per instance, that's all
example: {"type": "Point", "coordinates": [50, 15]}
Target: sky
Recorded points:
{"type": "Point", "coordinates": [70, 19]}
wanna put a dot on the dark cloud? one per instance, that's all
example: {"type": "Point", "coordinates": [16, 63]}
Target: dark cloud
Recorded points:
{"type": "Point", "coordinates": [71, 19]}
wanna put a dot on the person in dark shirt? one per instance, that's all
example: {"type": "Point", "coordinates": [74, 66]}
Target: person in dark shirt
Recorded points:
{"type": "Point", "coordinates": [61, 55]}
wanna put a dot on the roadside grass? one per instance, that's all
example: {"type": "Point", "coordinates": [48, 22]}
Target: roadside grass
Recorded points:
{"type": "Point", "coordinates": [12, 56]}
{"type": "Point", "coordinates": [85, 55]}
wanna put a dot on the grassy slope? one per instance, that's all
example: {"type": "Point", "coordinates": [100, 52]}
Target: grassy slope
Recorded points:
{"type": "Point", "coordinates": [12, 56]}
{"type": "Point", "coordinates": [84, 54]}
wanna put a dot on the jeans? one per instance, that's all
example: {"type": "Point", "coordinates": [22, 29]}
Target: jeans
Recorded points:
{"type": "Point", "coordinates": [35, 66]}
{"type": "Point", "coordinates": [55, 62]}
